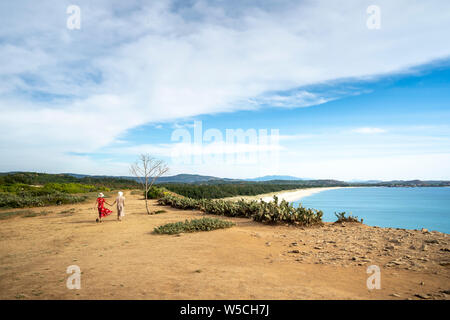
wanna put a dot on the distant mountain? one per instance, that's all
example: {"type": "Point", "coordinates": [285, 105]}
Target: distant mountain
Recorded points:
{"type": "Point", "coordinates": [269, 178]}
{"type": "Point", "coordinates": [179, 178]}
{"type": "Point", "coordinates": [190, 178]}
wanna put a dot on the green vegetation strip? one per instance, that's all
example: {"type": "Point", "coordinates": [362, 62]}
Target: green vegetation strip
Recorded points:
{"type": "Point", "coordinates": [24, 199]}
{"type": "Point", "coordinates": [33, 178]}
{"type": "Point", "coordinates": [28, 189]}
{"type": "Point", "coordinates": [227, 190]}
{"type": "Point", "coordinates": [272, 212]}
{"type": "Point", "coordinates": [204, 224]}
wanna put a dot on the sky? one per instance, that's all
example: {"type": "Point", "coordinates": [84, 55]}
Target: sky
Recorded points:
{"type": "Point", "coordinates": [237, 89]}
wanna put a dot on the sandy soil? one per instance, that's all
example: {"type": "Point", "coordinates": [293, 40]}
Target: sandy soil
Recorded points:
{"type": "Point", "coordinates": [124, 260]}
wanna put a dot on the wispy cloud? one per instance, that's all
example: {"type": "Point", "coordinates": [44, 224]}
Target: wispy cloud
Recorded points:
{"type": "Point", "coordinates": [193, 149]}
{"type": "Point", "coordinates": [369, 130]}
{"type": "Point", "coordinates": [137, 62]}
{"type": "Point", "coordinates": [298, 99]}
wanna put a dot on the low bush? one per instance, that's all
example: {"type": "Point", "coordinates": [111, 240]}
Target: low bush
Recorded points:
{"type": "Point", "coordinates": [271, 212]}
{"type": "Point", "coordinates": [49, 188]}
{"type": "Point", "coordinates": [179, 202]}
{"type": "Point", "coordinates": [204, 224]}
{"type": "Point", "coordinates": [23, 199]}
{"type": "Point", "coordinates": [156, 192]}
{"type": "Point", "coordinates": [341, 217]}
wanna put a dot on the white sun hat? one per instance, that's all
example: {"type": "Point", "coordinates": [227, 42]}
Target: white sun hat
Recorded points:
{"type": "Point", "coordinates": [120, 193]}
{"type": "Point", "coordinates": [101, 195]}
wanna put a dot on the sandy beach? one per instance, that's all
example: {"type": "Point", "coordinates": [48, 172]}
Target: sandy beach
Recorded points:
{"type": "Point", "coordinates": [251, 260]}
{"type": "Point", "coordinates": [288, 195]}
{"type": "Point", "coordinates": [298, 194]}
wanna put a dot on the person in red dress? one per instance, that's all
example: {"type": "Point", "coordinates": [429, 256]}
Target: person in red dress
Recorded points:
{"type": "Point", "coordinates": [100, 205]}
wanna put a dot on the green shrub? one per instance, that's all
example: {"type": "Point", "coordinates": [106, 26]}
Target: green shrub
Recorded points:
{"type": "Point", "coordinates": [341, 217]}
{"type": "Point", "coordinates": [156, 192]}
{"type": "Point", "coordinates": [34, 178]}
{"type": "Point", "coordinates": [72, 188]}
{"type": "Point", "coordinates": [204, 224]}
{"type": "Point", "coordinates": [16, 188]}
{"type": "Point", "coordinates": [179, 202]}
{"type": "Point", "coordinates": [272, 212]}
{"type": "Point", "coordinates": [22, 200]}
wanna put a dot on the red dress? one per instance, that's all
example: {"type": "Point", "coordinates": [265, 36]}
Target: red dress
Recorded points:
{"type": "Point", "coordinates": [102, 211]}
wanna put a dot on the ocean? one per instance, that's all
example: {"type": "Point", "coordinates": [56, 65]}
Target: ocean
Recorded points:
{"type": "Point", "coordinates": [408, 208]}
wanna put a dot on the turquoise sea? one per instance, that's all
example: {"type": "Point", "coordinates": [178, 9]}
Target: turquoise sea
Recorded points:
{"type": "Point", "coordinates": [409, 208]}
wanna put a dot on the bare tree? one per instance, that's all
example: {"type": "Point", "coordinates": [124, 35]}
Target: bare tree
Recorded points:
{"type": "Point", "coordinates": [147, 169]}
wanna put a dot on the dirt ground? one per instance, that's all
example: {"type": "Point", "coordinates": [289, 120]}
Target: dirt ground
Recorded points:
{"type": "Point", "coordinates": [124, 260]}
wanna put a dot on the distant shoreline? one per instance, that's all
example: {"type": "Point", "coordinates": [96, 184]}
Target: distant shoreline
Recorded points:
{"type": "Point", "coordinates": [299, 194]}
{"type": "Point", "coordinates": [288, 195]}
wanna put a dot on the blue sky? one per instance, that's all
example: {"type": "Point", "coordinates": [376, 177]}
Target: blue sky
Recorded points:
{"type": "Point", "coordinates": [343, 101]}
{"type": "Point", "coordinates": [395, 116]}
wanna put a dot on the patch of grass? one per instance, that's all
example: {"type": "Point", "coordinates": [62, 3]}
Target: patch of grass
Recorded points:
{"type": "Point", "coordinates": [27, 199]}
{"type": "Point", "coordinates": [11, 214]}
{"type": "Point", "coordinates": [70, 211]}
{"type": "Point", "coordinates": [341, 217]}
{"type": "Point", "coordinates": [159, 211]}
{"type": "Point", "coordinates": [35, 214]}
{"type": "Point", "coordinates": [36, 293]}
{"type": "Point", "coordinates": [204, 224]}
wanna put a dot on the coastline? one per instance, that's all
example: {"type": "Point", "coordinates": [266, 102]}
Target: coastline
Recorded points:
{"type": "Point", "coordinates": [299, 194]}
{"type": "Point", "coordinates": [288, 195]}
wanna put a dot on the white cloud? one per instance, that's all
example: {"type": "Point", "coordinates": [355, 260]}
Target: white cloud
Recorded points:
{"type": "Point", "coordinates": [368, 130]}
{"type": "Point", "coordinates": [176, 150]}
{"type": "Point", "coordinates": [138, 62]}
{"type": "Point", "coordinates": [293, 100]}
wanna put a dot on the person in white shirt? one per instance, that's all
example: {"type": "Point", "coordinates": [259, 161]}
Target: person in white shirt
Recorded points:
{"type": "Point", "coordinates": [120, 201]}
